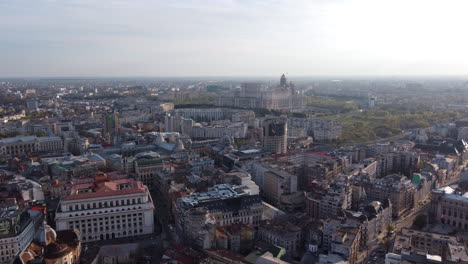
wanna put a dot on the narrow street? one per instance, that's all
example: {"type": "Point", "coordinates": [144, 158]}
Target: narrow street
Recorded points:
{"type": "Point", "coordinates": [374, 254]}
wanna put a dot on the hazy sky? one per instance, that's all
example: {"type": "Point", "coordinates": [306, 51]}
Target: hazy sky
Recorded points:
{"type": "Point", "coordinates": [232, 37]}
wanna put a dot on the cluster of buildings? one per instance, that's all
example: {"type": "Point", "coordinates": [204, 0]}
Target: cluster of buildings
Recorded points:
{"type": "Point", "coordinates": [224, 183]}
{"type": "Point", "coordinates": [261, 95]}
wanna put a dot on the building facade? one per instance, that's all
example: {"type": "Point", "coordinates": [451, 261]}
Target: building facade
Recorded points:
{"type": "Point", "coordinates": [107, 208]}
{"type": "Point", "coordinates": [17, 229]}
{"type": "Point", "coordinates": [275, 135]}
{"type": "Point", "coordinates": [396, 188]}
{"type": "Point", "coordinates": [147, 165]}
{"type": "Point", "coordinates": [257, 95]}
{"type": "Point", "coordinates": [276, 183]}
{"type": "Point", "coordinates": [27, 145]}
{"type": "Point", "coordinates": [449, 207]}
{"type": "Point", "coordinates": [198, 215]}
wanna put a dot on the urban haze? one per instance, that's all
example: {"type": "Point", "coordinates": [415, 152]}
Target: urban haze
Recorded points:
{"type": "Point", "coordinates": [233, 132]}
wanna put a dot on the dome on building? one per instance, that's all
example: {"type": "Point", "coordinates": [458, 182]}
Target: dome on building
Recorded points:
{"type": "Point", "coordinates": [50, 234]}
{"type": "Point", "coordinates": [172, 137]}
{"type": "Point", "coordinates": [179, 146]}
{"type": "Point", "coordinates": [26, 257]}
{"type": "Point", "coordinates": [283, 81]}
{"type": "Point", "coordinates": [55, 251]}
{"type": "Point", "coordinates": [225, 140]}
{"type": "Point", "coordinates": [188, 143]}
{"type": "Point", "coordinates": [160, 139]}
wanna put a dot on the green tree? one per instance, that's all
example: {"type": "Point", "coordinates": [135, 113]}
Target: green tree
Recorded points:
{"type": "Point", "coordinates": [420, 222]}
{"type": "Point", "coordinates": [390, 227]}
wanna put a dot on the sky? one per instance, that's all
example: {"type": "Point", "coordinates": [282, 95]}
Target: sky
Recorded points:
{"type": "Point", "coordinates": [153, 38]}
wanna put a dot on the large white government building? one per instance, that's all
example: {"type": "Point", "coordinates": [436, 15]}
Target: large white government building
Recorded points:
{"type": "Point", "coordinates": [107, 207]}
{"type": "Point", "coordinates": [258, 95]}
{"type": "Point", "coordinates": [30, 145]}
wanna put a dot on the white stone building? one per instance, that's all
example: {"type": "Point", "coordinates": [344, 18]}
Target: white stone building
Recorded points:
{"type": "Point", "coordinates": [107, 208]}
{"type": "Point", "coordinates": [17, 229]}
{"type": "Point", "coordinates": [30, 144]}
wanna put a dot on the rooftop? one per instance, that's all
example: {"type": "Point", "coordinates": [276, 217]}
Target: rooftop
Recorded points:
{"type": "Point", "coordinates": [450, 192]}
{"type": "Point", "coordinates": [103, 185]}
{"type": "Point", "coordinates": [19, 138]}
{"type": "Point", "coordinates": [220, 196]}
{"type": "Point", "coordinates": [457, 252]}
{"type": "Point", "coordinates": [412, 232]}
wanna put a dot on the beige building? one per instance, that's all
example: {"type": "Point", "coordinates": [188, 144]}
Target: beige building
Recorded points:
{"type": "Point", "coordinates": [277, 183]}
{"type": "Point", "coordinates": [257, 95]}
{"type": "Point", "coordinates": [30, 145]}
{"type": "Point", "coordinates": [147, 165]}
{"type": "Point", "coordinates": [444, 247]}
{"type": "Point", "coordinates": [107, 208]}
{"type": "Point", "coordinates": [397, 188]}
{"type": "Point", "coordinates": [282, 233]}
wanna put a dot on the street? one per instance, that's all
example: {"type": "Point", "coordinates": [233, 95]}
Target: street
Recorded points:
{"type": "Point", "coordinates": [377, 250]}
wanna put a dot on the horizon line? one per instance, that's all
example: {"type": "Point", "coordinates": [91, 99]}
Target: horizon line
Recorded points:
{"type": "Point", "coordinates": [84, 77]}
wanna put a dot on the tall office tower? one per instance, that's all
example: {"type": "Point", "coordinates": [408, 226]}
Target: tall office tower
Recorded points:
{"type": "Point", "coordinates": [186, 126]}
{"type": "Point", "coordinates": [172, 123]}
{"type": "Point", "coordinates": [371, 102]}
{"type": "Point", "coordinates": [111, 126]}
{"type": "Point", "coordinates": [275, 134]}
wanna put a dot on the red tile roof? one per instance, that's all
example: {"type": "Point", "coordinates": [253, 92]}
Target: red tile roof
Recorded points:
{"type": "Point", "coordinates": [104, 185]}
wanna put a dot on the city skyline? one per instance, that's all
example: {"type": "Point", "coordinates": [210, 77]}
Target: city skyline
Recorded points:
{"type": "Point", "coordinates": [232, 38]}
